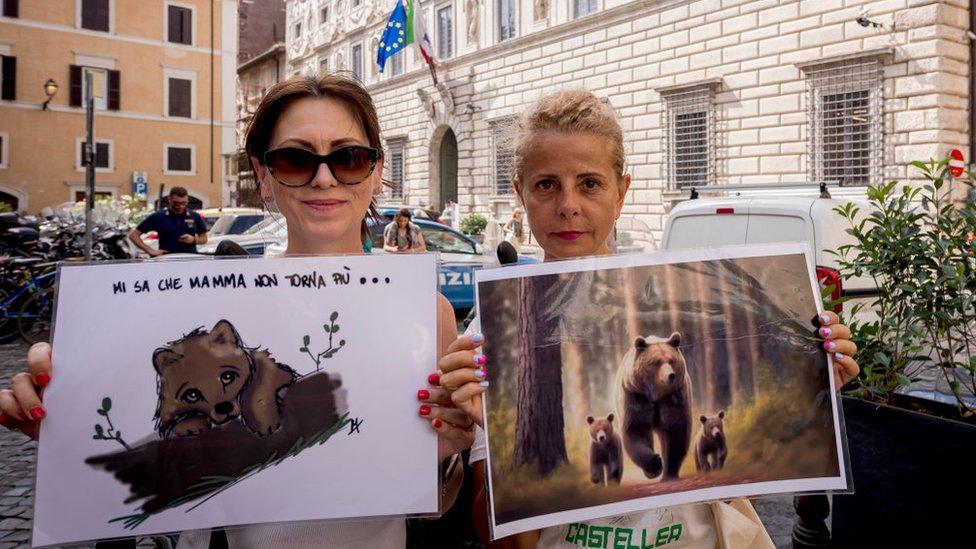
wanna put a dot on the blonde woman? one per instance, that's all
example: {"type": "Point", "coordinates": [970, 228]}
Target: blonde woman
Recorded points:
{"type": "Point", "coordinates": [570, 177]}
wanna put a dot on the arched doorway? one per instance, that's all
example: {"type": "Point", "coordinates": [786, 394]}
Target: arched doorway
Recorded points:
{"type": "Point", "coordinates": [448, 169]}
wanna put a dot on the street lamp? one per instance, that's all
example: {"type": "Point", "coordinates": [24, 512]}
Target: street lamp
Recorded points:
{"type": "Point", "coordinates": [50, 89]}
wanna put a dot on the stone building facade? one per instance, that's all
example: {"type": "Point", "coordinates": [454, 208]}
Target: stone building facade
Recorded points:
{"type": "Point", "coordinates": [707, 91]}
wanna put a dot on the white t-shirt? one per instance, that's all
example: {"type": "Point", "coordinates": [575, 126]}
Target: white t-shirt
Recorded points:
{"type": "Point", "coordinates": [385, 533]}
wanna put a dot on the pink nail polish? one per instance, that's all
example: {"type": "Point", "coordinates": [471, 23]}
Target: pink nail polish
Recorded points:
{"type": "Point", "coordinates": [830, 345]}
{"type": "Point", "coordinates": [480, 360]}
{"type": "Point", "coordinates": [825, 332]}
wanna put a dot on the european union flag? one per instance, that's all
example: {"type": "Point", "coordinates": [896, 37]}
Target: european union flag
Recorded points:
{"type": "Point", "coordinates": [394, 38]}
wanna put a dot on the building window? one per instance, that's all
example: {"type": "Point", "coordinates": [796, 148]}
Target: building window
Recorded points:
{"type": "Point", "coordinates": [8, 78]}
{"type": "Point", "coordinates": [397, 63]}
{"type": "Point", "coordinates": [104, 155]}
{"type": "Point", "coordinates": [357, 61]}
{"type": "Point", "coordinates": [179, 159]}
{"type": "Point", "coordinates": [445, 32]}
{"type": "Point", "coordinates": [507, 14]}
{"type": "Point", "coordinates": [323, 65]}
{"type": "Point", "coordinates": [4, 151]}
{"type": "Point", "coordinates": [10, 8]}
{"type": "Point", "coordinates": [95, 15]}
{"type": "Point", "coordinates": [396, 168]}
{"type": "Point", "coordinates": [501, 154]}
{"type": "Point", "coordinates": [583, 7]}
{"type": "Point", "coordinates": [845, 114]}
{"type": "Point", "coordinates": [179, 93]}
{"type": "Point", "coordinates": [179, 24]}
{"type": "Point", "coordinates": [689, 136]}
{"type": "Point", "coordinates": [324, 15]}
{"type": "Point", "coordinates": [106, 87]}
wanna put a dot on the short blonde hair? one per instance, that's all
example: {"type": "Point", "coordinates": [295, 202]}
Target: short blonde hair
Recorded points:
{"type": "Point", "coordinates": [571, 111]}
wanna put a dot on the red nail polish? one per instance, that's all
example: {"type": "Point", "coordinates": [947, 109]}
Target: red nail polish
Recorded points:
{"type": "Point", "coordinates": [37, 413]}
{"type": "Point", "coordinates": [425, 410]}
{"type": "Point", "coordinates": [423, 394]}
{"type": "Point", "coordinates": [437, 423]}
{"type": "Point", "coordinates": [434, 379]}
{"type": "Point", "coordinates": [42, 379]}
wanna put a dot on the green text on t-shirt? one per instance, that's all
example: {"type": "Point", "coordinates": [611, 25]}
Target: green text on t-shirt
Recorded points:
{"type": "Point", "coordinates": [608, 537]}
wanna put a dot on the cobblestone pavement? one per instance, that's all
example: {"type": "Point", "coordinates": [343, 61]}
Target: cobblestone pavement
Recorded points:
{"type": "Point", "coordinates": [17, 476]}
{"type": "Point", "coordinates": [16, 464]}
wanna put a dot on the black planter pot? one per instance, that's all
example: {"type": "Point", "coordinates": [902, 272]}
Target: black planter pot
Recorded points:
{"type": "Point", "coordinates": [914, 478]}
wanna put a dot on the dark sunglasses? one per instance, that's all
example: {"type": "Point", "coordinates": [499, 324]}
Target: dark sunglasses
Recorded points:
{"type": "Point", "coordinates": [294, 167]}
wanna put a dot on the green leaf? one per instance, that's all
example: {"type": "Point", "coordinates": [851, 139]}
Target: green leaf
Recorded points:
{"type": "Point", "coordinates": [96, 437]}
{"type": "Point", "coordinates": [118, 435]}
{"type": "Point", "coordinates": [303, 349]}
{"type": "Point", "coordinates": [335, 328]}
{"type": "Point", "coordinates": [327, 328]}
{"type": "Point", "coordinates": [342, 342]}
{"type": "Point", "coordinates": [101, 412]}
{"type": "Point", "coordinates": [98, 430]}
{"type": "Point", "coordinates": [306, 340]}
{"type": "Point", "coordinates": [902, 380]}
{"type": "Point", "coordinates": [106, 404]}
{"type": "Point", "coordinates": [334, 316]}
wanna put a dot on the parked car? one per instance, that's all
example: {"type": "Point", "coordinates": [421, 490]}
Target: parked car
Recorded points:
{"type": "Point", "coordinates": [221, 221]}
{"type": "Point", "coordinates": [255, 239]}
{"type": "Point", "coordinates": [460, 256]}
{"type": "Point", "coordinates": [389, 210]}
{"type": "Point", "coordinates": [759, 219]}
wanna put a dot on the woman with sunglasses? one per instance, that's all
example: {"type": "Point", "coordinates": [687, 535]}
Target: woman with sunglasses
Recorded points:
{"type": "Point", "coordinates": [569, 175]}
{"type": "Point", "coordinates": [316, 151]}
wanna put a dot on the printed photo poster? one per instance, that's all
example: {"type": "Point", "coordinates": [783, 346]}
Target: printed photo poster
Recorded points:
{"type": "Point", "coordinates": [639, 382]}
{"type": "Point", "coordinates": [224, 392]}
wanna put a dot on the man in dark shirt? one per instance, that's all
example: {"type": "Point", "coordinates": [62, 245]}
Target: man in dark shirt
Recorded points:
{"type": "Point", "coordinates": [179, 229]}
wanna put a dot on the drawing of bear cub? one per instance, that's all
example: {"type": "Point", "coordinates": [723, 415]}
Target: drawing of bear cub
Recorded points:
{"type": "Point", "coordinates": [606, 456]}
{"type": "Point", "coordinates": [711, 448]}
{"type": "Point", "coordinates": [654, 398]}
{"type": "Point", "coordinates": [210, 378]}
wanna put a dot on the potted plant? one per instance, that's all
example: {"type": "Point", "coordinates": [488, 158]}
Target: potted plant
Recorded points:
{"type": "Point", "coordinates": [908, 455]}
{"type": "Point", "coordinates": [474, 225]}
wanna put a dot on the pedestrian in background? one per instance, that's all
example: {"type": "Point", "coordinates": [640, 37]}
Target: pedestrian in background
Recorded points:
{"type": "Point", "coordinates": [180, 229]}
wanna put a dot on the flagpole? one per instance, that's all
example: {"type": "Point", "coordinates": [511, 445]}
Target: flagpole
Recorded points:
{"type": "Point", "coordinates": [433, 74]}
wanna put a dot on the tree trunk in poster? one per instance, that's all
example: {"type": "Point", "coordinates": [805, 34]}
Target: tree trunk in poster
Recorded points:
{"type": "Point", "coordinates": [539, 427]}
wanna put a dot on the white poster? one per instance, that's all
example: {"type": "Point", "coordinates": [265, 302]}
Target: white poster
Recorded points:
{"type": "Point", "coordinates": [194, 394]}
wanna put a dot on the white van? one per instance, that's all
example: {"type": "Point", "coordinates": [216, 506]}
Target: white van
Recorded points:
{"type": "Point", "coordinates": [762, 219]}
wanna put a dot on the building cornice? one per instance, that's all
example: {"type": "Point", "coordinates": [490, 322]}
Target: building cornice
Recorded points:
{"type": "Point", "coordinates": [26, 105]}
{"type": "Point", "coordinates": [270, 53]}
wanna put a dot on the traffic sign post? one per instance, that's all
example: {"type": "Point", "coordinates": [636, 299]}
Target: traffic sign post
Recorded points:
{"type": "Point", "coordinates": [957, 164]}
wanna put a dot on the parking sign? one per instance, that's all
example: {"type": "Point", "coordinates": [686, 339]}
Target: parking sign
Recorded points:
{"type": "Point", "coordinates": [140, 185]}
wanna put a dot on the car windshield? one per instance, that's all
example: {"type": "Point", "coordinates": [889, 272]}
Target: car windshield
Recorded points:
{"type": "Point", "coordinates": [268, 222]}
{"type": "Point", "coordinates": [440, 239]}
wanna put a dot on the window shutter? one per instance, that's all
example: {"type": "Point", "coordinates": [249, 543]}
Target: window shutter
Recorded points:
{"type": "Point", "coordinates": [75, 80]}
{"type": "Point", "coordinates": [178, 159]}
{"type": "Point", "coordinates": [95, 15]}
{"type": "Point", "coordinates": [8, 89]}
{"type": "Point", "coordinates": [173, 23]}
{"type": "Point", "coordinates": [10, 8]}
{"type": "Point", "coordinates": [186, 24]}
{"type": "Point", "coordinates": [179, 97]}
{"type": "Point", "coordinates": [101, 155]}
{"type": "Point", "coordinates": [114, 90]}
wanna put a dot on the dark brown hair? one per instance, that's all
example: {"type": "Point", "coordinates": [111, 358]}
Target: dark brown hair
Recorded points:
{"type": "Point", "coordinates": [282, 95]}
{"type": "Point", "coordinates": [178, 191]}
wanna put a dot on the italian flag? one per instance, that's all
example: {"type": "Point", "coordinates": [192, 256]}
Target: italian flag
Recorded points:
{"type": "Point", "coordinates": [417, 28]}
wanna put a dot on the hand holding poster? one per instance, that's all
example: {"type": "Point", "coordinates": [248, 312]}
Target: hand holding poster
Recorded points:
{"type": "Point", "coordinates": [630, 383]}
{"type": "Point", "coordinates": [190, 395]}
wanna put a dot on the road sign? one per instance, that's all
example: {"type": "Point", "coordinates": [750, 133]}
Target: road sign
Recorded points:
{"type": "Point", "coordinates": [140, 185]}
{"type": "Point", "coordinates": [957, 165]}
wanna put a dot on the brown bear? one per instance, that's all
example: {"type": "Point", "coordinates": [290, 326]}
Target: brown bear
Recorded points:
{"type": "Point", "coordinates": [654, 398]}
{"type": "Point", "coordinates": [606, 456]}
{"type": "Point", "coordinates": [710, 448]}
{"type": "Point", "coordinates": [210, 378]}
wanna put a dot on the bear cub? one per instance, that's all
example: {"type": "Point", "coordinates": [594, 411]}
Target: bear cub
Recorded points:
{"type": "Point", "coordinates": [711, 449]}
{"type": "Point", "coordinates": [606, 456]}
